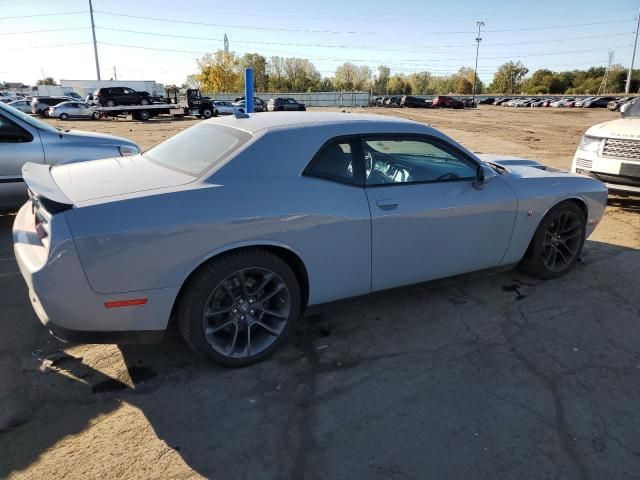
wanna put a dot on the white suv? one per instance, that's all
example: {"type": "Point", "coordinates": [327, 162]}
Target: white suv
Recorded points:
{"type": "Point", "coordinates": [610, 152]}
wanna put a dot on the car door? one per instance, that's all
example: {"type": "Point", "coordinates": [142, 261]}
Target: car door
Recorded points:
{"type": "Point", "coordinates": [131, 97]}
{"type": "Point", "coordinates": [340, 241]}
{"type": "Point", "coordinates": [430, 219]}
{"type": "Point", "coordinates": [117, 94]}
{"type": "Point", "coordinates": [19, 143]}
{"type": "Point", "coordinates": [84, 110]}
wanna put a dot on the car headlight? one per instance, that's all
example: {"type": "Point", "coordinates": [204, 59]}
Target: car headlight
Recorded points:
{"type": "Point", "coordinates": [590, 144]}
{"type": "Point", "coordinates": [128, 150]}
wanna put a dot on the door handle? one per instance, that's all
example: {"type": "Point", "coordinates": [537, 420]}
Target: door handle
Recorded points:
{"type": "Point", "coordinates": [387, 204]}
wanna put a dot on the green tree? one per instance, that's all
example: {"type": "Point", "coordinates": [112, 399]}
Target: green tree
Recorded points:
{"type": "Point", "coordinates": [381, 82]}
{"type": "Point", "coordinates": [219, 72]}
{"type": "Point", "coordinates": [420, 83]}
{"type": "Point", "coordinates": [351, 77]}
{"type": "Point", "coordinates": [399, 85]}
{"type": "Point", "coordinates": [192, 81]}
{"type": "Point", "coordinates": [508, 78]}
{"type": "Point", "coordinates": [301, 75]}
{"type": "Point", "coordinates": [47, 81]}
{"type": "Point", "coordinates": [259, 65]}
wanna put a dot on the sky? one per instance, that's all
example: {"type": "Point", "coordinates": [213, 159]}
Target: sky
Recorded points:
{"type": "Point", "coordinates": [162, 39]}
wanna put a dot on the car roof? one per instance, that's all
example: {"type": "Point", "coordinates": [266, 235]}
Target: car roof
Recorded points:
{"type": "Point", "coordinates": [265, 121]}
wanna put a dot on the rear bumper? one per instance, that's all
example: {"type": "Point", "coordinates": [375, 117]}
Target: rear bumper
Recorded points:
{"type": "Point", "coordinates": [64, 301]}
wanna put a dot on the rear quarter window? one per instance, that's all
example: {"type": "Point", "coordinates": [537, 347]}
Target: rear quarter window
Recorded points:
{"type": "Point", "coordinates": [198, 149]}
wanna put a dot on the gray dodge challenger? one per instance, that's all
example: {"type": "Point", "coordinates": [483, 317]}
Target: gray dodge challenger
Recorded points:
{"type": "Point", "coordinates": [235, 226]}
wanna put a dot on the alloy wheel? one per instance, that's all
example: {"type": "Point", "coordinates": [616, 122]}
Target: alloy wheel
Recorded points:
{"type": "Point", "coordinates": [246, 312]}
{"type": "Point", "coordinates": [562, 240]}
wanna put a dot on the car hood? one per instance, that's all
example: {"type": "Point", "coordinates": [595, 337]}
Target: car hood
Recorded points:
{"type": "Point", "coordinates": [620, 128]}
{"type": "Point", "coordinates": [523, 167]}
{"type": "Point", "coordinates": [112, 177]}
{"type": "Point", "coordinates": [79, 136]}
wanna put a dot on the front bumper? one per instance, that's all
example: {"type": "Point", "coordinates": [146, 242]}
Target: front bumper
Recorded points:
{"type": "Point", "coordinates": [618, 174]}
{"type": "Point", "coordinates": [65, 303]}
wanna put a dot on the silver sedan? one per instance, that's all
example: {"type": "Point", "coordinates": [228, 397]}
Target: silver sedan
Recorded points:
{"type": "Point", "coordinates": [22, 105]}
{"type": "Point", "coordinates": [25, 139]}
{"type": "Point", "coordinates": [67, 110]}
{"type": "Point", "coordinates": [237, 225]}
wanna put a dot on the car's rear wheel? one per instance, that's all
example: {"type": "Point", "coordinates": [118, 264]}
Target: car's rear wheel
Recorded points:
{"type": "Point", "coordinates": [557, 243]}
{"type": "Point", "coordinates": [144, 115]}
{"type": "Point", "coordinates": [64, 116]}
{"type": "Point", "coordinates": [111, 103]}
{"type": "Point", "coordinates": [240, 307]}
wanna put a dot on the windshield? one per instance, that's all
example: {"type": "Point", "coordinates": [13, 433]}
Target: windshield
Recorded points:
{"type": "Point", "coordinates": [27, 118]}
{"type": "Point", "coordinates": [198, 149]}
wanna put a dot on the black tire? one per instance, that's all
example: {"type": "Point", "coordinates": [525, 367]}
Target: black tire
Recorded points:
{"type": "Point", "coordinates": [64, 116]}
{"type": "Point", "coordinates": [144, 115]}
{"type": "Point", "coordinates": [207, 113]}
{"type": "Point", "coordinates": [96, 116]}
{"type": "Point", "coordinates": [201, 287]}
{"type": "Point", "coordinates": [144, 101]}
{"type": "Point", "coordinates": [545, 243]}
{"type": "Point", "coordinates": [110, 103]}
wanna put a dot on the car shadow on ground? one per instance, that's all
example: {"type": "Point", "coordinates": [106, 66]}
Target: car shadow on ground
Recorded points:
{"type": "Point", "coordinates": [629, 203]}
{"type": "Point", "coordinates": [484, 378]}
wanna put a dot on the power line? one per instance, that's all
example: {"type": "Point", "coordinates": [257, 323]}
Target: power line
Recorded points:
{"type": "Point", "coordinates": [551, 27]}
{"type": "Point", "coordinates": [399, 61]}
{"type": "Point", "coordinates": [331, 16]}
{"type": "Point", "coordinates": [44, 15]}
{"type": "Point", "coordinates": [247, 27]}
{"type": "Point", "coordinates": [49, 46]}
{"type": "Point", "coordinates": [325, 45]}
{"type": "Point", "coordinates": [47, 30]}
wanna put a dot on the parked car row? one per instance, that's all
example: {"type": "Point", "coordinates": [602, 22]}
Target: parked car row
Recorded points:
{"type": "Point", "coordinates": [408, 101]}
{"type": "Point", "coordinates": [613, 103]}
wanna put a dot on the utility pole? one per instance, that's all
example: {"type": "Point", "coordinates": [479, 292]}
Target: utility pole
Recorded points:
{"type": "Point", "coordinates": [627, 87]}
{"type": "Point", "coordinates": [480, 24]}
{"type": "Point", "coordinates": [115, 73]}
{"type": "Point", "coordinates": [226, 43]}
{"type": "Point", "coordinates": [603, 85]}
{"type": "Point", "coordinates": [95, 44]}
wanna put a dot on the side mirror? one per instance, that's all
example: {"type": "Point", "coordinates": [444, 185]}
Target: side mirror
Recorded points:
{"type": "Point", "coordinates": [484, 174]}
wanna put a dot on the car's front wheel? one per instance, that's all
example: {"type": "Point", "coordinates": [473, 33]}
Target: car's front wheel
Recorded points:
{"type": "Point", "coordinates": [557, 243]}
{"type": "Point", "coordinates": [144, 101]}
{"type": "Point", "coordinates": [239, 308]}
{"type": "Point", "coordinates": [64, 116]}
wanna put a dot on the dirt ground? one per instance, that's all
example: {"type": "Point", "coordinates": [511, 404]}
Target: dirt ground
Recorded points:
{"type": "Point", "coordinates": [486, 377]}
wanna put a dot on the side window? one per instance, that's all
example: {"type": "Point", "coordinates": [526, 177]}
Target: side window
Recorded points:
{"type": "Point", "coordinates": [116, 91]}
{"type": "Point", "coordinates": [11, 132]}
{"type": "Point", "coordinates": [334, 161]}
{"type": "Point", "coordinates": [127, 90]}
{"type": "Point", "coordinates": [411, 160]}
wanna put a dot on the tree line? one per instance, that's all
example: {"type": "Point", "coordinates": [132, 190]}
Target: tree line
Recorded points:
{"type": "Point", "coordinates": [223, 71]}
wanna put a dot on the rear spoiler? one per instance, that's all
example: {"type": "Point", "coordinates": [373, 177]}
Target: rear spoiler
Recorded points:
{"type": "Point", "coordinates": [43, 189]}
